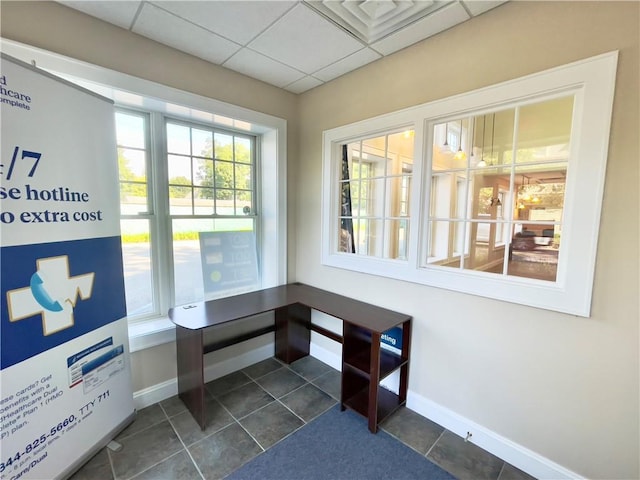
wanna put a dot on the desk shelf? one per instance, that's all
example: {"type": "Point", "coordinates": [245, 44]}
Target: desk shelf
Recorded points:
{"type": "Point", "coordinates": [389, 362]}
{"type": "Point", "coordinates": [388, 402]}
{"type": "Point", "coordinates": [364, 364]}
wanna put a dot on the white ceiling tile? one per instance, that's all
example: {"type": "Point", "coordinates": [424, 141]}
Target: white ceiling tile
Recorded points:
{"type": "Point", "coordinates": [294, 44]}
{"type": "Point", "coordinates": [118, 13]}
{"type": "Point", "coordinates": [166, 28]}
{"type": "Point", "coordinates": [240, 21]}
{"type": "Point", "coordinates": [353, 61]}
{"type": "Point", "coordinates": [304, 84]}
{"type": "Point", "coordinates": [476, 7]}
{"type": "Point", "coordinates": [305, 40]}
{"type": "Point", "coordinates": [258, 66]}
{"type": "Point", "coordinates": [437, 22]}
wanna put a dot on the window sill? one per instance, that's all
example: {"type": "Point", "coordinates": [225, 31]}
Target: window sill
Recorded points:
{"type": "Point", "coordinates": [151, 333]}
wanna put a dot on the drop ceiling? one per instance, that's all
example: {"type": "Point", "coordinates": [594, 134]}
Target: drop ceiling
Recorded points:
{"type": "Point", "coordinates": [294, 45]}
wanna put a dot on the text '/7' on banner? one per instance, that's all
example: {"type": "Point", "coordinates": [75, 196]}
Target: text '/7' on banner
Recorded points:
{"type": "Point", "coordinates": [65, 382]}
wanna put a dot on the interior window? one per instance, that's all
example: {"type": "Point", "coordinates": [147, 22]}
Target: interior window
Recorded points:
{"type": "Point", "coordinates": [498, 194]}
{"type": "Point", "coordinates": [375, 187]}
{"type": "Point", "coordinates": [495, 192]}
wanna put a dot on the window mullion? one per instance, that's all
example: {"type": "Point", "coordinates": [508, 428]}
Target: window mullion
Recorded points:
{"type": "Point", "coordinates": [466, 229]}
{"type": "Point", "coordinates": [511, 206]}
{"type": "Point", "coordinates": [161, 248]}
{"type": "Point", "coordinates": [386, 201]}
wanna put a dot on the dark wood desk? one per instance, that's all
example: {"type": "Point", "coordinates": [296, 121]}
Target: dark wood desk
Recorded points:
{"type": "Point", "coordinates": [364, 362]}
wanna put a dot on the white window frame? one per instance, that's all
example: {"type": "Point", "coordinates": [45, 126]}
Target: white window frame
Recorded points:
{"type": "Point", "coordinates": [592, 82]}
{"type": "Point", "coordinates": [137, 93]}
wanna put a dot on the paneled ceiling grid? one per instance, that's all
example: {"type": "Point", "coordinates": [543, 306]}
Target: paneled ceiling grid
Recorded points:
{"type": "Point", "coordinates": [295, 45]}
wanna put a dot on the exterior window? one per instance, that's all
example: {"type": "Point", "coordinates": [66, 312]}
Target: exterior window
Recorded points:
{"type": "Point", "coordinates": [496, 192]}
{"type": "Point", "coordinates": [142, 111]}
{"type": "Point", "coordinates": [137, 219]}
{"type": "Point", "coordinates": [209, 187]}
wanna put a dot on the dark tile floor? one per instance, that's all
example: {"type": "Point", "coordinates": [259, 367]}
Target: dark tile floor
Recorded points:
{"type": "Point", "coordinates": [252, 409]}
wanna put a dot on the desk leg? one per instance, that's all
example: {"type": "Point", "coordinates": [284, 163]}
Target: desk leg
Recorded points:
{"type": "Point", "coordinates": [404, 371]}
{"type": "Point", "coordinates": [293, 334]}
{"type": "Point", "coordinates": [374, 380]}
{"type": "Point", "coordinates": [190, 361]}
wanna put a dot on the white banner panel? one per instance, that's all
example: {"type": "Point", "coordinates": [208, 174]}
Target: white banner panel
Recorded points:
{"type": "Point", "coordinates": [65, 375]}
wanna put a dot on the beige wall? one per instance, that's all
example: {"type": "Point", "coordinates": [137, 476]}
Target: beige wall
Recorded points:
{"type": "Point", "coordinates": [562, 386]}
{"type": "Point", "coordinates": [56, 28]}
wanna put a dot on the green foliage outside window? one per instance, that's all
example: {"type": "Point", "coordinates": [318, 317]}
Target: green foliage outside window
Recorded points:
{"type": "Point", "coordinates": [226, 176]}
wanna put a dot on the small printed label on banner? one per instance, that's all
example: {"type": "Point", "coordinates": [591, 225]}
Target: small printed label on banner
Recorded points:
{"type": "Point", "coordinates": [78, 360]}
{"type": "Point", "coordinates": [101, 369]}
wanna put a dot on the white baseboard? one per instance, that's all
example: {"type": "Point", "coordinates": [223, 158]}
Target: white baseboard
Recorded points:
{"type": "Point", "coordinates": [511, 452]}
{"type": "Point", "coordinates": [326, 356]}
{"type": "Point", "coordinates": [154, 394]}
{"type": "Point", "coordinates": [162, 391]}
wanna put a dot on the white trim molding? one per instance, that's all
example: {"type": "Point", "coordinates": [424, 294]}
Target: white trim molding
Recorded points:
{"type": "Point", "coordinates": [526, 460]}
{"type": "Point", "coordinates": [169, 388]}
{"type": "Point", "coordinates": [591, 83]}
{"type": "Point", "coordinates": [271, 132]}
